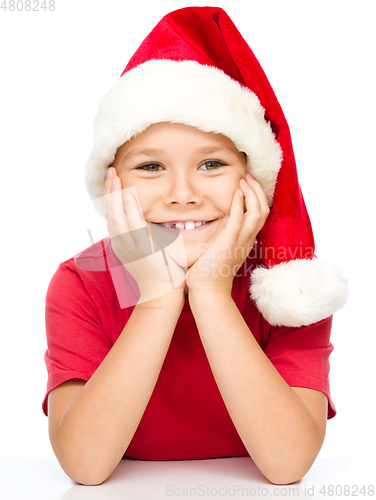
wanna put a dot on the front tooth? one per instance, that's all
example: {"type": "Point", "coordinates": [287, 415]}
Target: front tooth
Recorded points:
{"type": "Point", "coordinates": [189, 225]}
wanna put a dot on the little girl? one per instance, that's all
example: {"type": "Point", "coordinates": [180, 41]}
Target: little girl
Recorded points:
{"type": "Point", "coordinates": [200, 328]}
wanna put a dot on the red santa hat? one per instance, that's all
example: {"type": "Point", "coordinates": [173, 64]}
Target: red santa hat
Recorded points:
{"type": "Point", "coordinates": [195, 68]}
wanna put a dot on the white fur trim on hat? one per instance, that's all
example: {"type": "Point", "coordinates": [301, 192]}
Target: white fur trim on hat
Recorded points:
{"type": "Point", "coordinates": [183, 92]}
{"type": "Point", "coordinates": [299, 292]}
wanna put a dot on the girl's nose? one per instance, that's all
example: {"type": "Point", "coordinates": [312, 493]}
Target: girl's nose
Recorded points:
{"type": "Point", "coordinates": [183, 191]}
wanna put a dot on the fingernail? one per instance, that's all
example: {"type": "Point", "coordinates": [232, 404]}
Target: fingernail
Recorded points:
{"type": "Point", "coordinates": [109, 172]}
{"type": "Point", "coordinates": [126, 198]}
{"type": "Point", "coordinates": [249, 175]}
{"type": "Point", "coordinates": [244, 182]}
{"type": "Point", "coordinates": [112, 182]}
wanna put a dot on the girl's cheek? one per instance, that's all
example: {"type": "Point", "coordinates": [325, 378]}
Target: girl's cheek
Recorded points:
{"type": "Point", "coordinates": [124, 180]}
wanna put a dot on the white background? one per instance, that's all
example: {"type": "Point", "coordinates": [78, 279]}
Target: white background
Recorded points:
{"type": "Point", "coordinates": [319, 57]}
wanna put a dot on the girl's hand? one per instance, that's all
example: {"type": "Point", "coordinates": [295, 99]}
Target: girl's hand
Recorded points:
{"type": "Point", "coordinates": [132, 243]}
{"type": "Point", "coordinates": [221, 260]}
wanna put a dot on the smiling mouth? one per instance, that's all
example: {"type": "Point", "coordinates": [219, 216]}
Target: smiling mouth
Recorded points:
{"type": "Point", "coordinates": [186, 227]}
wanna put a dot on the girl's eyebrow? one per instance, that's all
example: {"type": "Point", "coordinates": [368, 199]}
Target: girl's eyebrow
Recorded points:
{"type": "Point", "coordinates": [216, 149]}
{"type": "Point", "coordinates": [142, 152]}
{"type": "Point", "coordinates": [155, 151]}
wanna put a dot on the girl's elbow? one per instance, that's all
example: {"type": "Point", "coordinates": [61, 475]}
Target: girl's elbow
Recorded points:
{"type": "Point", "coordinates": [86, 477]}
{"type": "Point", "coordinates": [289, 467]}
{"type": "Point", "coordinates": [82, 469]}
{"type": "Point", "coordinates": [81, 464]}
{"type": "Point", "coordinates": [89, 481]}
{"type": "Point", "coordinates": [286, 473]}
{"type": "Point", "coordinates": [284, 478]}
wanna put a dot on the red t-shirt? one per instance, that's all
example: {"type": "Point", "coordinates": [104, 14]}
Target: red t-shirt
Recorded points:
{"type": "Point", "coordinates": [186, 417]}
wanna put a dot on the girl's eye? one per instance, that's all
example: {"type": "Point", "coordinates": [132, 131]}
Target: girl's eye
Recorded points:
{"type": "Point", "coordinates": [151, 165]}
{"type": "Point", "coordinates": [155, 167]}
{"type": "Point", "coordinates": [212, 165]}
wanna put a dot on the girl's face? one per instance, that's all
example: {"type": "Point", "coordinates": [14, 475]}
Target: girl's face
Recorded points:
{"type": "Point", "coordinates": [183, 174]}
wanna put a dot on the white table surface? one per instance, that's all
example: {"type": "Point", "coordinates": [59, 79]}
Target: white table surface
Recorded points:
{"type": "Point", "coordinates": [43, 479]}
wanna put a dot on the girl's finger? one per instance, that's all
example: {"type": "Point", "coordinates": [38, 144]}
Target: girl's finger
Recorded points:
{"type": "Point", "coordinates": [137, 226]}
{"type": "Point", "coordinates": [253, 214]}
{"type": "Point", "coordinates": [252, 201]}
{"type": "Point", "coordinates": [236, 219]}
{"type": "Point", "coordinates": [118, 215]}
{"type": "Point", "coordinates": [260, 194]}
{"type": "Point", "coordinates": [107, 203]}
{"type": "Point", "coordinates": [134, 217]}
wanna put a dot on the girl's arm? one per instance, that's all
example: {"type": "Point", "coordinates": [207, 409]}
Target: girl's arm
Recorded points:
{"type": "Point", "coordinates": [91, 424]}
{"type": "Point", "coordinates": [282, 428]}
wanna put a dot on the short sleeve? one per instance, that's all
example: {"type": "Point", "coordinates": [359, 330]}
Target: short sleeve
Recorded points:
{"type": "Point", "coordinates": [76, 343]}
{"type": "Point", "coordinates": [301, 356]}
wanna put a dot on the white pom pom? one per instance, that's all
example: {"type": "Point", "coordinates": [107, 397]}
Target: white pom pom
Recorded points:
{"type": "Point", "coordinates": [299, 292]}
